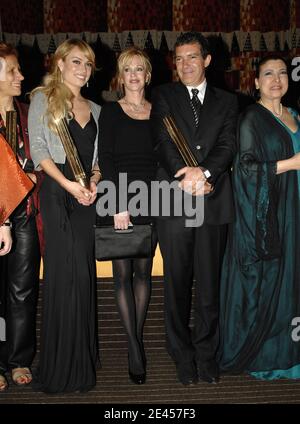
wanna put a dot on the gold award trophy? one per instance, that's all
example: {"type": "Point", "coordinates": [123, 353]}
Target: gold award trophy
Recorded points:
{"type": "Point", "coordinates": [11, 129]}
{"type": "Point", "coordinates": [71, 152]}
{"type": "Point", "coordinates": [180, 142]}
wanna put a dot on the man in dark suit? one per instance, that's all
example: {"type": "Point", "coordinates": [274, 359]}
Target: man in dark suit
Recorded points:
{"type": "Point", "coordinates": [206, 116]}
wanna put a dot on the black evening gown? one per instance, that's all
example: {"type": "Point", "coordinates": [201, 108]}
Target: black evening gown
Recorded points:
{"type": "Point", "coordinates": [69, 355]}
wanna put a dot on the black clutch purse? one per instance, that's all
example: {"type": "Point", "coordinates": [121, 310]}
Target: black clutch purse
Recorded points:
{"type": "Point", "coordinates": [136, 242]}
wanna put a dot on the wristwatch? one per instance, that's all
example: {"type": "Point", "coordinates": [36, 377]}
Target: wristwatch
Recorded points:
{"type": "Point", "coordinates": [6, 224]}
{"type": "Point", "coordinates": [207, 174]}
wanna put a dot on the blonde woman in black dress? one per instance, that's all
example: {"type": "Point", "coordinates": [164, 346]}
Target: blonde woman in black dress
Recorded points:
{"type": "Point", "coordinates": [68, 339]}
{"type": "Point", "coordinates": [125, 146]}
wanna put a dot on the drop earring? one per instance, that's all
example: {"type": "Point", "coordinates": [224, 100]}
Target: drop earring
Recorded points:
{"type": "Point", "coordinates": [61, 78]}
{"type": "Point", "coordinates": [87, 84]}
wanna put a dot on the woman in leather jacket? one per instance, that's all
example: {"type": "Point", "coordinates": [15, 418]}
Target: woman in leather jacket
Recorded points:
{"type": "Point", "coordinates": [20, 267]}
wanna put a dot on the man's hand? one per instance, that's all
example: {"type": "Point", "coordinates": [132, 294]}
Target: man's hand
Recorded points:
{"type": "Point", "coordinates": [194, 181]}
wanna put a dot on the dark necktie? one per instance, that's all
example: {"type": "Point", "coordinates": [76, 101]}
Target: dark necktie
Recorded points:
{"type": "Point", "coordinates": [196, 105]}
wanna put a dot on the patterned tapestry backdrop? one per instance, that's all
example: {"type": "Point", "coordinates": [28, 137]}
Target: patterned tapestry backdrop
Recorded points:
{"type": "Point", "coordinates": [240, 32]}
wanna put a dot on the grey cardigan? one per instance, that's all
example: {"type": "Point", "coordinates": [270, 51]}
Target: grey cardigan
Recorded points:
{"type": "Point", "coordinates": [44, 143]}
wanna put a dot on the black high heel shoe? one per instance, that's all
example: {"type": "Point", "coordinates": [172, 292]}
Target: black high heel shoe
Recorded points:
{"type": "Point", "coordinates": [137, 378]}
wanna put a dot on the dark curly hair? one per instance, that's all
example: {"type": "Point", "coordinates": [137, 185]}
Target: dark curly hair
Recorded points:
{"type": "Point", "coordinates": [194, 37]}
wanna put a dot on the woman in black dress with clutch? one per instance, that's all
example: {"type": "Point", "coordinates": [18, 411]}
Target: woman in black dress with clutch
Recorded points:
{"type": "Point", "coordinates": [125, 146]}
{"type": "Point", "coordinates": [68, 355]}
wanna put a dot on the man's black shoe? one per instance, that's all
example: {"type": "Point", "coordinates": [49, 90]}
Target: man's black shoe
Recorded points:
{"type": "Point", "coordinates": [204, 376]}
{"type": "Point", "coordinates": [191, 381]}
{"type": "Point", "coordinates": [208, 372]}
{"type": "Point", "coordinates": [187, 373]}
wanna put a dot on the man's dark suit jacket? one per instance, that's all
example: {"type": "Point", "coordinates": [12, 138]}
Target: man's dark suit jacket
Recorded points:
{"type": "Point", "coordinates": [213, 142]}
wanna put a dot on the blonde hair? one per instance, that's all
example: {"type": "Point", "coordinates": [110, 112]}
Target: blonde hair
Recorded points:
{"type": "Point", "coordinates": [125, 58]}
{"type": "Point", "coordinates": [59, 96]}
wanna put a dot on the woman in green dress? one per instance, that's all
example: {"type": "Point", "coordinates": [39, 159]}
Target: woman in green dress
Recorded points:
{"type": "Point", "coordinates": [260, 287]}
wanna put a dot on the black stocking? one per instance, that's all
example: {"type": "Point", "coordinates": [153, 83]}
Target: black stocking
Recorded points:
{"type": "Point", "coordinates": [132, 282]}
{"type": "Point", "coordinates": [142, 291]}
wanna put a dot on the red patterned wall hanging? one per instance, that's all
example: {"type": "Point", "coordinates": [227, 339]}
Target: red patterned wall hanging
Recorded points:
{"type": "Point", "coordinates": [264, 16]}
{"type": "Point", "coordinates": [136, 14]}
{"type": "Point", "coordinates": [75, 16]}
{"type": "Point", "coordinates": [22, 16]}
{"type": "Point", "coordinates": [205, 16]}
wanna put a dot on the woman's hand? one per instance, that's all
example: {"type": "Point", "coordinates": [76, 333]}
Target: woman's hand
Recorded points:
{"type": "Point", "coordinates": [32, 177]}
{"type": "Point", "coordinates": [296, 161]}
{"type": "Point", "coordinates": [122, 220]}
{"type": "Point", "coordinates": [81, 194]}
{"type": "Point", "coordinates": [93, 190]}
{"type": "Point", "coordinates": [291, 164]}
{"type": "Point", "coordinates": [5, 240]}
{"type": "Point", "coordinates": [92, 195]}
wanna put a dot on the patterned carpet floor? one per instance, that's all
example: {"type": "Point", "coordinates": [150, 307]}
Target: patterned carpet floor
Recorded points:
{"type": "Point", "coordinates": [162, 387]}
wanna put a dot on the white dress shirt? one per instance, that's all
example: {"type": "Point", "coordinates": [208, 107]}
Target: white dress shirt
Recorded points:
{"type": "Point", "coordinates": [201, 94]}
{"type": "Point", "coordinates": [201, 88]}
